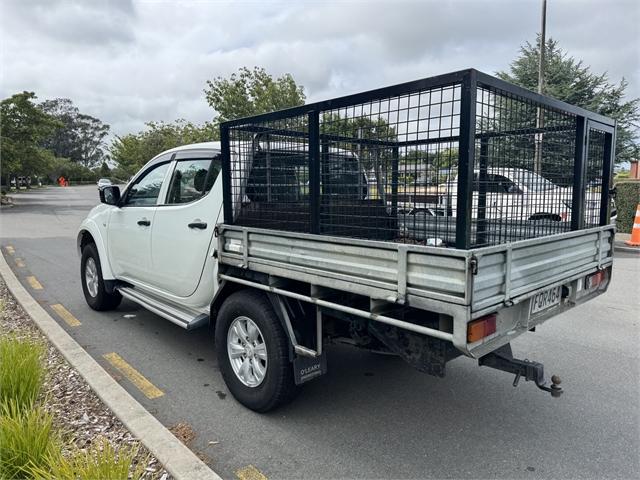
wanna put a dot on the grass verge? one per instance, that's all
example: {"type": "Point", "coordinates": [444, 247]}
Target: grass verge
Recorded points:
{"type": "Point", "coordinates": [30, 445]}
{"type": "Point", "coordinates": [21, 372]}
{"type": "Point", "coordinates": [27, 440]}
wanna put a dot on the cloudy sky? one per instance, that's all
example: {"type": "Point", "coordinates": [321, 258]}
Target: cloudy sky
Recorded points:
{"type": "Point", "coordinates": [128, 62]}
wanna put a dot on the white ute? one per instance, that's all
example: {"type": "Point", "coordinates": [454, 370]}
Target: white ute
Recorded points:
{"type": "Point", "coordinates": [297, 231]}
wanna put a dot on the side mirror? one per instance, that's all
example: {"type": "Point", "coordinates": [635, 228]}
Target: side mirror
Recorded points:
{"type": "Point", "coordinates": [110, 195]}
{"type": "Point", "coordinates": [513, 189]}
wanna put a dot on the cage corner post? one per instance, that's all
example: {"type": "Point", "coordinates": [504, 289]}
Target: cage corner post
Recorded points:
{"type": "Point", "coordinates": [466, 159]}
{"type": "Point", "coordinates": [607, 176]}
{"type": "Point", "coordinates": [227, 170]}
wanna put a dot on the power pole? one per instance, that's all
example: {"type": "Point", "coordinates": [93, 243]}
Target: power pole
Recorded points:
{"type": "Point", "coordinates": [543, 30]}
{"type": "Point", "coordinates": [540, 117]}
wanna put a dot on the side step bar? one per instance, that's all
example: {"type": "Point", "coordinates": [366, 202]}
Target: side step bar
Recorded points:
{"type": "Point", "coordinates": [502, 359]}
{"type": "Point", "coordinates": [186, 320]}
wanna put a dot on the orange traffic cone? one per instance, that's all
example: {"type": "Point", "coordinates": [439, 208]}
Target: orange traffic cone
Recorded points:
{"type": "Point", "coordinates": [635, 231]}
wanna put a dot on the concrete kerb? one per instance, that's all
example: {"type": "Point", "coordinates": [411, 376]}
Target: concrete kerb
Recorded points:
{"type": "Point", "coordinates": [176, 458]}
{"type": "Point", "coordinates": [620, 245]}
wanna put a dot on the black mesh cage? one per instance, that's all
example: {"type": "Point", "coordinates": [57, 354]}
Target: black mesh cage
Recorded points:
{"type": "Point", "coordinates": [460, 160]}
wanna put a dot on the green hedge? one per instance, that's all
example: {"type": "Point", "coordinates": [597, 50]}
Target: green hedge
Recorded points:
{"type": "Point", "coordinates": [627, 199]}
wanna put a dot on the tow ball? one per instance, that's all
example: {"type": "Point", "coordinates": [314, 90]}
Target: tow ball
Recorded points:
{"type": "Point", "coordinates": [502, 359]}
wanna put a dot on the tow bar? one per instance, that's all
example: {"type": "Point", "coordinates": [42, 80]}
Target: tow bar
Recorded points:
{"type": "Point", "coordinates": [502, 359]}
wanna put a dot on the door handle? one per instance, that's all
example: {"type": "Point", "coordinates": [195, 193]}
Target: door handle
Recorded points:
{"type": "Point", "coordinates": [144, 222]}
{"type": "Point", "coordinates": [196, 224]}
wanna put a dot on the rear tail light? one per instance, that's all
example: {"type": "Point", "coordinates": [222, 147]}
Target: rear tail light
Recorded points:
{"type": "Point", "coordinates": [595, 279]}
{"type": "Point", "coordinates": [481, 328]}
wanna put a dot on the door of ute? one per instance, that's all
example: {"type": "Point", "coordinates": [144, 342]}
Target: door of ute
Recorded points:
{"type": "Point", "coordinates": [129, 234]}
{"type": "Point", "coordinates": [182, 232]}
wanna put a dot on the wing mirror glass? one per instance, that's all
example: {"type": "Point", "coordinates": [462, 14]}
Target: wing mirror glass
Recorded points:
{"type": "Point", "coordinates": [110, 195]}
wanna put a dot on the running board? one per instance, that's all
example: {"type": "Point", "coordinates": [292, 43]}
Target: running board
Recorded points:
{"type": "Point", "coordinates": [186, 320]}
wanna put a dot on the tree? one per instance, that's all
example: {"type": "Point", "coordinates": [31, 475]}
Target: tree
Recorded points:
{"type": "Point", "coordinates": [80, 137]}
{"type": "Point", "coordinates": [568, 79]}
{"type": "Point", "coordinates": [24, 126]}
{"type": "Point", "coordinates": [251, 92]}
{"type": "Point", "coordinates": [90, 140]}
{"type": "Point", "coordinates": [72, 171]}
{"type": "Point", "coordinates": [104, 171]}
{"type": "Point", "coordinates": [132, 151]}
{"type": "Point", "coordinates": [364, 136]}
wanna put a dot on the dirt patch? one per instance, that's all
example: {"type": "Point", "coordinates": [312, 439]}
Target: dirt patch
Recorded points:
{"type": "Point", "coordinates": [184, 432]}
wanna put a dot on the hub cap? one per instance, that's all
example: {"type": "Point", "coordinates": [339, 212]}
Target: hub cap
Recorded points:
{"type": "Point", "coordinates": [91, 276]}
{"type": "Point", "coordinates": [247, 351]}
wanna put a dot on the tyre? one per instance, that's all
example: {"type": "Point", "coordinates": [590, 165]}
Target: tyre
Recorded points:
{"type": "Point", "coordinates": [253, 352]}
{"type": "Point", "coordinates": [93, 287]}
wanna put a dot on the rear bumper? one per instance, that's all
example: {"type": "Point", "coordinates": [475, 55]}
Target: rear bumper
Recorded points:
{"type": "Point", "coordinates": [517, 319]}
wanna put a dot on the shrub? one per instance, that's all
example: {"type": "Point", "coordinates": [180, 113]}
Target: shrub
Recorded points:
{"type": "Point", "coordinates": [627, 199]}
{"type": "Point", "coordinates": [100, 462]}
{"type": "Point", "coordinates": [21, 372]}
{"type": "Point", "coordinates": [27, 441]}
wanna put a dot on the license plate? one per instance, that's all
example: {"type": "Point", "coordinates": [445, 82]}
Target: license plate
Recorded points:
{"type": "Point", "coordinates": [546, 299]}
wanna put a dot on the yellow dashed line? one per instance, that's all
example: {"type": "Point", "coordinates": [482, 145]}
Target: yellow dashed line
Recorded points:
{"type": "Point", "coordinates": [135, 377]}
{"type": "Point", "coordinates": [66, 315]}
{"type": "Point", "coordinates": [250, 473]}
{"type": "Point", "coordinates": [10, 250]}
{"type": "Point", "coordinates": [35, 284]}
{"type": "Point", "coordinates": [19, 263]}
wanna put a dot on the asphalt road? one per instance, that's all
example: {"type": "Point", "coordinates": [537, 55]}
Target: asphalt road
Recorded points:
{"type": "Point", "coordinates": [370, 416]}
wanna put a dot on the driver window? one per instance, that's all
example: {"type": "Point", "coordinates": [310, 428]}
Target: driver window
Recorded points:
{"type": "Point", "coordinates": [144, 192]}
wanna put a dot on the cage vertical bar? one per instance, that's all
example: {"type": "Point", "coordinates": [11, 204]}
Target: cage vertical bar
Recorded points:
{"type": "Point", "coordinates": [466, 159]}
{"type": "Point", "coordinates": [577, 203]}
{"type": "Point", "coordinates": [314, 171]}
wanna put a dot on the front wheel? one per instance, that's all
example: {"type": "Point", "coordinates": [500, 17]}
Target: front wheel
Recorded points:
{"type": "Point", "coordinates": [93, 286]}
{"type": "Point", "coordinates": [253, 352]}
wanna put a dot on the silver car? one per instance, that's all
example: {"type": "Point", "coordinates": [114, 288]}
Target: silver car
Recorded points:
{"type": "Point", "coordinates": [104, 182]}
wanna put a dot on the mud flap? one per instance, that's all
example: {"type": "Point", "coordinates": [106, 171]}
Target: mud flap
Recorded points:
{"type": "Point", "coordinates": [307, 368]}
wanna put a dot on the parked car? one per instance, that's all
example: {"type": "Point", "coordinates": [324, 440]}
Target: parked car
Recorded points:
{"type": "Point", "coordinates": [520, 194]}
{"type": "Point", "coordinates": [104, 182]}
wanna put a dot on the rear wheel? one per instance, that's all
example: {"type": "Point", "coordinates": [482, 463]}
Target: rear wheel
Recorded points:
{"type": "Point", "coordinates": [93, 285]}
{"type": "Point", "coordinates": [253, 352]}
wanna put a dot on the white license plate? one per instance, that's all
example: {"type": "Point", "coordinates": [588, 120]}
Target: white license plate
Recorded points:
{"type": "Point", "coordinates": [546, 299]}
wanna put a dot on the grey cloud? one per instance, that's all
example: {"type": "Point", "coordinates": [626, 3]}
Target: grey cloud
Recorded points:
{"type": "Point", "coordinates": [130, 63]}
{"type": "Point", "coordinates": [73, 23]}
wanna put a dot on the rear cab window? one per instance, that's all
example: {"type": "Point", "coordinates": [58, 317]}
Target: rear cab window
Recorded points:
{"type": "Point", "coordinates": [192, 179]}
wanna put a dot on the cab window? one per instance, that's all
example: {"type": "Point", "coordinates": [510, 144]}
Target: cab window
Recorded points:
{"type": "Point", "coordinates": [146, 189]}
{"type": "Point", "coordinates": [192, 179]}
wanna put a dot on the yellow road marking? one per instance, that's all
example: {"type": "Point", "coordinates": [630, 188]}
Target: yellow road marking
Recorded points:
{"type": "Point", "coordinates": [135, 377]}
{"type": "Point", "coordinates": [250, 473]}
{"type": "Point", "coordinates": [10, 250]}
{"type": "Point", "coordinates": [20, 262]}
{"type": "Point", "coordinates": [66, 315]}
{"type": "Point", "coordinates": [35, 284]}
